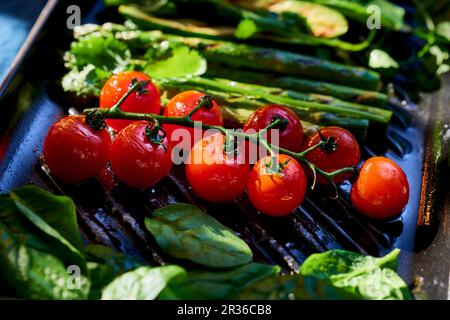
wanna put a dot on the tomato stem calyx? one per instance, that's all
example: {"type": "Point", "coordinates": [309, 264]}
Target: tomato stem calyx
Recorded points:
{"type": "Point", "coordinates": [330, 143]}
{"type": "Point", "coordinates": [282, 123]}
{"type": "Point", "coordinates": [156, 134]}
{"type": "Point", "coordinates": [96, 120]}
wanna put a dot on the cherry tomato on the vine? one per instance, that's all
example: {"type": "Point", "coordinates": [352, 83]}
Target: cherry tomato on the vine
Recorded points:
{"type": "Point", "coordinates": [290, 135]}
{"type": "Point", "coordinates": [214, 175]}
{"type": "Point", "coordinates": [144, 101]}
{"type": "Point", "coordinates": [183, 103]}
{"type": "Point", "coordinates": [74, 151]}
{"type": "Point", "coordinates": [277, 193]}
{"type": "Point", "coordinates": [136, 160]}
{"type": "Point", "coordinates": [381, 190]}
{"type": "Point", "coordinates": [345, 154]}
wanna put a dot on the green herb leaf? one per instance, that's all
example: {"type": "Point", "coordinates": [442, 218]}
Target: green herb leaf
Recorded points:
{"type": "Point", "coordinates": [245, 29]}
{"type": "Point", "coordinates": [183, 62]}
{"type": "Point", "coordinates": [57, 211]}
{"type": "Point", "coordinates": [186, 232]}
{"type": "Point", "coordinates": [364, 276]}
{"type": "Point", "coordinates": [443, 30]}
{"type": "Point", "coordinates": [104, 52]}
{"type": "Point", "coordinates": [216, 285]}
{"type": "Point", "coordinates": [85, 83]}
{"type": "Point", "coordinates": [144, 283]}
{"type": "Point", "coordinates": [323, 21]}
{"type": "Point", "coordinates": [381, 59]}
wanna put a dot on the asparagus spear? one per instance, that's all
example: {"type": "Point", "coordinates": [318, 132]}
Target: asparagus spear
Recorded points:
{"type": "Point", "coordinates": [372, 98]}
{"type": "Point", "coordinates": [253, 57]}
{"type": "Point", "coordinates": [238, 107]}
{"type": "Point", "coordinates": [236, 117]}
{"type": "Point", "coordinates": [268, 59]}
{"type": "Point", "coordinates": [326, 100]}
{"type": "Point", "coordinates": [285, 62]}
{"type": "Point", "coordinates": [303, 108]}
{"type": "Point", "coordinates": [197, 29]}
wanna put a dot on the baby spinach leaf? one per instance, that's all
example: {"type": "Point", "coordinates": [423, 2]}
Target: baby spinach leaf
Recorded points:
{"type": "Point", "coordinates": [30, 263]}
{"type": "Point", "coordinates": [104, 52]}
{"type": "Point", "coordinates": [144, 283]}
{"type": "Point", "coordinates": [57, 211]}
{"type": "Point", "coordinates": [368, 277]}
{"type": "Point", "coordinates": [199, 284]}
{"type": "Point", "coordinates": [53, 218]}
{"type": "Point", "coordinates": [109, 257]}
{"type": "Point", "coordinates": [104, 265]}
{"type": "Point", "coordinates": [292, 287]}
{"type": "Point", "coordinates": [186, 232]}
{"type": "Point", "coordinates": [182, 62]}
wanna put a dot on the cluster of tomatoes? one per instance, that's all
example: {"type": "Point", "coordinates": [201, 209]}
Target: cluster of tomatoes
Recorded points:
{"type": "Point", "coordinates": [74, 151]}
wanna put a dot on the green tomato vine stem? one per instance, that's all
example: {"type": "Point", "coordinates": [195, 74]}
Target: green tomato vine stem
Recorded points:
{"type": "Point", "coordinates": [115, 112]}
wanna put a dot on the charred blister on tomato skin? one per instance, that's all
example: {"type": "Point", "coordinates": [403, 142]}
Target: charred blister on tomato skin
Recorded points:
{"type": "Point", "coordinates": [214, 175]}
{"type": "Point", "coordinates": [74, 151]}
{"type": "Point", "coordinates": [147, 100]}
{"type": "Point", "coordinates": [136, 160]}
{"type": "Point", "coordinates": [278, 193]}
{"type": "Point", "coordinates": [381, 190]}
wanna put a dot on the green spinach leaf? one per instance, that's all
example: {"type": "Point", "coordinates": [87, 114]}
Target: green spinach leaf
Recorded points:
{"type": "Point", "coordinates": [292, 287]}
{"type": "Point", "coordinates": [186, 232]}
{"type": "Point", "coordinates": [380, 59]}
{"type": "Point", "coordinates": [199, 284]}
{"type": "Point", "coordinates": [53, 218]}
{"type": "Point", "coordinates": [144, 283]}
{"type": "Point", "coordinates": [368, 277]}
{"type": "Point", "coordinates": [105, 265]}
{"type": "Point", "coordinates": [57, 211]}
{"type": "Point", "coordinates": [29, 261]}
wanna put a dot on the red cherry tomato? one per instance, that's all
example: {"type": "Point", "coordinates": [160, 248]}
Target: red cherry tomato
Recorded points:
{"type": "Point", "coordinates": [117, 86]}
{"type": "Point", "coordinates": [347, 153]}
{"type": "Point", "coordinates": [290, 137]}
{"type": "Point", "coordinates": [277, 193]}
{"type": "Point", "coordinates": [381, 190]}
{"type": "Point", "coordinates": [183, 103]}
{"type": "Point", "coordinates": [74, 151]}
{"type": "Point", "coordinates": [213, 175]}
{"type": "Point", "coordinates": [136, 160]}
